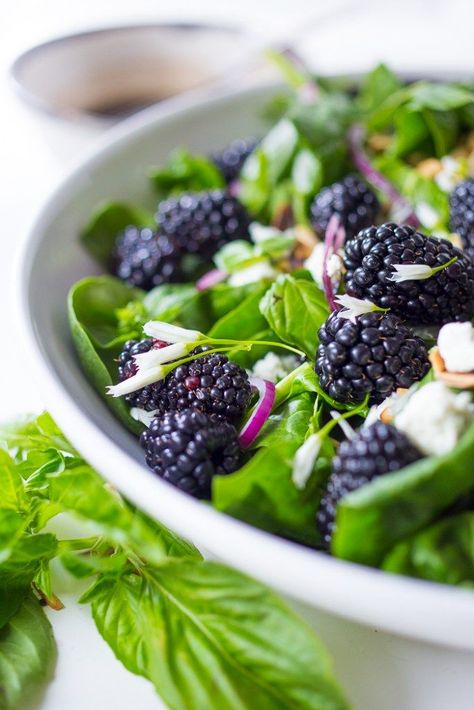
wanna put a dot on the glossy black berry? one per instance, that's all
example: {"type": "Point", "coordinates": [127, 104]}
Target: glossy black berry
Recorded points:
{"type": "Point", "coordinates": [211, 383]}
{"type": "Point", "coordinates": [461, 213]}
{"type": "Point", "coordinates": [374, 451]}
{"type": "Point", "coordinates": [231, 159]}
{"type": "Point", "coordinates": [144, 258]}
{"type": "Point", "coordinates": [189, 448]}
{"type": "Point", "coordinates": [201, 223]}
{"type": "Point", "coordinates": [375, 355]}
{"type": "Point", "coordinates": [446, 296]}
{"type": "Point", "coordinates": [351, 200]}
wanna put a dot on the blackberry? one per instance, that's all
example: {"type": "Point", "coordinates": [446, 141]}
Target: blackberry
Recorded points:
{"type": "Point", "coordinates": [351, 199]}
{"type": "Point", "coordinates": [461, 218]}
{"type": "Point", "coordinates": [189, 448]}
{"type": "Point", "coordinates": [444, 297]}
{"type": "Point", "coordinates": [201, 223]}
{"type": "Point", "coordinates": [144, 258]}
{"type": "Point", "coordinates": [375, 355]}
{"type": "Point", "coordinates": [148, 397]}
{"type": "Point", "coordinates": [375, 450]}
{"type": "Point", "coordinates": [211, 383]}
{"type": "Point", "coordinates": [231, 159]}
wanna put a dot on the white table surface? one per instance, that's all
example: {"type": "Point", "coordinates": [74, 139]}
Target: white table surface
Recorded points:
{"type": "Point", "coordinates": [429, 35]}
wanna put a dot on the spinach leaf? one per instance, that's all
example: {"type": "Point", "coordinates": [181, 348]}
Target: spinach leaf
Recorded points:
{"type": "Point", "coordinates": [92, 309]}
{"type": "Point", "coordinates": [444, 552]}
{"type": "Point", "coordinates": [245, 320]}
{"type": "Point", "coordinates": [377, 86]}
{"type": "Point", "coordinates": [262, 492]}
{"type": "Point", "coordinates": [27, 656]}
{"type": "Point", "coordinates": [111, 218]}
{"type": "Point", "coordinates": [208, 636]}
{"type": "Point", "coordinates": [185, 172]}
{"type": "Point", "coordinates": [372, 519]}
{"type": "Point", "coordinates": [11, 599]}
{"type": "Point", "coordinates": [295, 310]}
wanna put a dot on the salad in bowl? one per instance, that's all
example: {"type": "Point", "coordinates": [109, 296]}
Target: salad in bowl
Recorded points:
{"type": "Point", "coordinates": [289, 331]}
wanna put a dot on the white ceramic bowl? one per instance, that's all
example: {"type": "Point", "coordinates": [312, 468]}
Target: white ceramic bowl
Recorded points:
{"type": "Point", "coordinates": [53, 260]}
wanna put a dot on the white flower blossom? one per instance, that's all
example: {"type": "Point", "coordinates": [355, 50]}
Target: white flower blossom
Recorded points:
{"type": "Point", "coordinates": [274, 367]}
{"type": "Point", "coordinates": [304, 460]}
{"type": "Point", "coordinates": [142, 416]}
{"type": "Point", "coordinates": [260, 232]}
{"type": "Point", "coordinates": [160, 356]}
{"type": "Point", "coordinates": [427, 215]}
{"type": "Point", "coordinates": [171, 333]}
{"type": "Point", "coordinates": [410, 272]}
{"type": "Point", "coordinates": [136, 382]}
{"type": "Point", "coordinates": [315, 264]}
{"type": "Point", "coordinates": [251, 274]}
{"type": "Point", "coordinates": [353, 307]}
{"type": "Point", "coordinates": [456, 346]}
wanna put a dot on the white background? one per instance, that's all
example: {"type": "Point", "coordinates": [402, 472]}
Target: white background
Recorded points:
{"type": "Point", "coordinates": [350, 36]}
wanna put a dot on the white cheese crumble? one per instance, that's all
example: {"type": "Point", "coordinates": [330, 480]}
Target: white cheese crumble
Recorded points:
{"type": "Point", "coordinates": [456, 346]}
{"type": "Point", "coordinates": [314, 264]}
{"type": "Point", "coordinates": [450, 174]}
{"type": "Point", "coordinates": [251, 274]}
{"type": "Point", "coordinates": [274, 367]}
{"type": "Point", "coordinates": [435, 417]}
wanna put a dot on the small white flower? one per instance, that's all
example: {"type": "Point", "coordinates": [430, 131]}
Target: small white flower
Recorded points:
{"type": "Point", "coordinates": [251, 274]}
{"type": "Point", "coordinates": [353, 307]}
{"type": "Point", "coordinates": [160, 356]}
{"type": "Point", "coordinates": [142, 416]}
{"type": "Point", "coordinates": [427, 215]}
{"type": "Point", "coordinates": [136, 382]}
{"type": "Point", "coordinates": [456, 346]}
{"type": "Point", "coordinates": [274, 367]}
{"type": "Point", "coordinates": [410, 272]}
{"type": "Point", "coordinates": [260, 232]}
{"type": "Point", "coordinates": [451, 173]}
{"type": "Point", "coordinates": [348, 431]}
{"type": "Point", "coordinates": [171, 333]}
{"type": "Point", "coordinates": [304, 460]}
{"type": "Point", "coordinates": [315, 265]}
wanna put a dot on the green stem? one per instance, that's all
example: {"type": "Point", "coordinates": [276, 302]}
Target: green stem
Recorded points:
{"type": "Point", "coordinates": [436, 269]}
{"type": "Point", "coordinates": [251, 343]}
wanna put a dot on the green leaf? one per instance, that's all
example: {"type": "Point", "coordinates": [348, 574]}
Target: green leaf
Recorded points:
{"type": "Point", "coordinates": [411, 131]}
{"type": "Point", "coordinates": [295, 310]}
{"type": "Point", "coordinates": [444, 129]}
{"type": "Point", "coordinates": [92, 310]}
{"type": "Point", "coordinates": [209, 637]}
{"type": "Point", "coordinates": [35, 434]}
{"type": "Point", "coordinates": [371, 520]}
{"type": "Point", "coordinates": [27, 656]}
{"type": "Point", "coordinates": [12, 494]}
{"type": "Point", "coordinates": [81, 491]}
{"type": "Point", "coordinates": [243, 321]}
{"type": "Point", "coordinates": [185, 172]}
{"type": "Point", "coordinates": [111, 218]}
{"type": "Point", "coordinates": [444, 552]}
{"type": "Point", "coordinates": [377, 86]}
{"type": "Point", "coordinates": [438, 96]}
{"type": "Point", "coordinates": [11, 599]}
{"type": "Point", "coordinates": [234, 255]}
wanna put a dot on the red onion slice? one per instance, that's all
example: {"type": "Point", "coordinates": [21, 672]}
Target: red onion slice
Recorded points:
{"type": "Point", "coordinates": [365, 167]}
{"type": "Point", "coordinates": [261, 411]}
{"type": "Point", "coordinates": [213, 277]}
{"type": "Point", "coordinates": [332, 232]}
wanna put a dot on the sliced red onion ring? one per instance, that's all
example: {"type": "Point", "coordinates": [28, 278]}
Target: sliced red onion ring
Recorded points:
{"type": "Point", "coordinates": [330, 238]}
{"type": "Point", "coordinates": [363, 164]}
{"type": "Point", "coordinates": [261, 411]}
{"type": "Point", "coordinates": [211, 278]}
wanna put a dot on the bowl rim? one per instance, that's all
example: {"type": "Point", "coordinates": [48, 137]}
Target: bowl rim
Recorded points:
{"type": "Point", "coordinates": [427, 611]}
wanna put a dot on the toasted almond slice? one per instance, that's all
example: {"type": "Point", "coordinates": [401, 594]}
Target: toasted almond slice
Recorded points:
{"type": "Point", "coordinates": [306, 240]}
{"type": "Point", "coordinates": [429, 167]}
{"type": "Point", "coordinates": [460, 380]}
{"type": "Point", "coordinates": [386, 416]}
{"type": "Point", "coordinates": [379, 142]}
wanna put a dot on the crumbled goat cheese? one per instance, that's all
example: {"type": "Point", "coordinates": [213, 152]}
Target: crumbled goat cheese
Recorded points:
{"type": "Point", "coordinates": [456, 346]}
{"type": "Point", "coordinates": [450, 175]}
{"type": "Point", "coordinates": [435, 417]}
{"type": "Point", "coordinates": [251, 274]}
{"type": "Point", "coordinates": [314, 264]}
{"type": "Point", "coordinates": [274, 367]}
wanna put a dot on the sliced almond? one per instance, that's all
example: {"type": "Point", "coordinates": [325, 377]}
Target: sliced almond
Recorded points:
{"type": "Point", "coordinates": [306, 240]}
{"type": "Point", "coordinates": [379, 142]}
{"type": "Point", "coordinates": [429, 167]}
{"type": "Point", "coordinates": [386, 416]}
{"type": "Point", "coordinates": [460, 380]}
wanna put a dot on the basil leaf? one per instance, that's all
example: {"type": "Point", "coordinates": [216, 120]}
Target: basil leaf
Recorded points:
{"type": "Point", "coordinates": [209, 637]}
{"type": "Point", "coordinates": [11, 599]}
{"type": "Point", "coordinates": [295, 310]}
{"type": "Point", "coordinates": [27, 656]}
{"type": "Point", "coordinates": [35, 434]}
{"type": "Point", "coordinates": [185, 172]}
{"type": "Point", "coordinates": [444, 552]}
{"type": "Point", "coordinates": [377, 86]}
{"type": "Point", "coordinates": [372, 519]}
{"type": "Point", "coordinates": [92, 306]}
{"type": "Point", "coordinates": [244, 320]}
{"type": "Point", "coordinates": [12, 494]}
{"type": "Point", "coordinates": [438, 96]}
{"type": "Point", "coordinates": [100, 234]}
{"type": "Point", "coordinates": [234, 255]}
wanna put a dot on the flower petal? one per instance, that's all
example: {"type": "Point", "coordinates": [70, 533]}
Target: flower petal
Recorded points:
{"type": "Point", "coordinates": [159, 356]}
{"type": "Point", "coordinates": [410, 272]}
{"type": "Point", "coordinates": [141, 379]}
{"type": "Point", "coordinates": [171, 333]}
{"type": "Point", "coordinates": [304, 460]}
